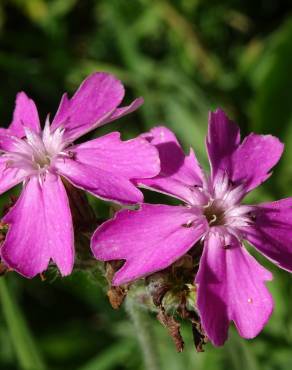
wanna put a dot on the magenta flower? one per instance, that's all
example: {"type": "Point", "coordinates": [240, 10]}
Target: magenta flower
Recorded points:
{"type": "Point", "coordinates": [40, 223]}
{"type": "Point", "coordinates": [230, 282]}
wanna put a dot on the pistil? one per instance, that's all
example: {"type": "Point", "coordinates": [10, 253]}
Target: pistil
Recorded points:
{"type": "Point", "coordinates": [214, 213]}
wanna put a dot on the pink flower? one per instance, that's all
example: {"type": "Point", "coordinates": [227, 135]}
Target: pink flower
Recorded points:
{"type": "Point", "coordinates": [230, 282]}
{"type": "Point", "coordinates": [40, 223]}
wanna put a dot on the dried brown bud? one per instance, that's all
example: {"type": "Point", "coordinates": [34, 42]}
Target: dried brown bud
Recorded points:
{"type": "Point", "coordinates": [174, 293]}
{"type": "Point", "coordinates": [4, 269]}
{"type": "Point", "coordinates": [158, 285]}
{"type": "Point", "coordinates": [116, 294]}
{"type": "Point", "coordinates": [200, 338]}
{"type": "Point", "coordinates": [173, 328]}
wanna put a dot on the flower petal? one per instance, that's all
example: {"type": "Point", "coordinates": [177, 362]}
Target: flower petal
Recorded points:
{"type": "Point", "coordinates": [9, 177]}
{"type": "Point", "coordinates": [130, 159]}
{"type": "Point", "coordinates": [101, 183]}
{"type": "Point", "coordinates": [93, 105]}
{"type": "Point", "coordinates": [7, 140]}
{"type": "Point", "coordinates": [250, 162]}
{"type": "Point", "coordinates": [246, 163]}
{"type": "Point", "coordinates": [179, 173]}
{"type": "Point", "coordinates": [95, 100]}
{"type": "Point", "coordinates": [120, 112]}
{"type": "Point", "coordinates": [223, 138]}
{"type": "Point", "coordinates": [271, 232]}
{"type": "Point", "coordinates": [149, 239]}
{"type": "Point", "coordinates": [231, 287]}
{"type": "Point", "coordinates": [40, 229]}
{"type": "Point", "coordinates": [25, 115]}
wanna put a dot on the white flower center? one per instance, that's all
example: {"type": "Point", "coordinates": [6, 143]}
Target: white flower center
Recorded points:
{"type": "Point", "coordinates": [35, 153]}
{"type": "Point", "coordinates": [219, 203]}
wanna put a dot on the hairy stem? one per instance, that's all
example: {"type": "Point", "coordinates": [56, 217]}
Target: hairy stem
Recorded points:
{"type": "Point", "coordinates": [145, 335]}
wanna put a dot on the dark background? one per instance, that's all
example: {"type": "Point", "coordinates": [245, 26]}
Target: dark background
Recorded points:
{"type": "Point", "coordinates": [184, 57]}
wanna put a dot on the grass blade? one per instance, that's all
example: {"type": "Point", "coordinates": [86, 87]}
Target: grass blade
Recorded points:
{"type": "Point", "coordinates": [21, 338]}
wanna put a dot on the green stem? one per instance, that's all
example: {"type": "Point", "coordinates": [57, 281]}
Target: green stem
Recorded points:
{"type": "Point", "coordinates": [21, 338]}
{"type": "Point", "coordinates": [145, 335]}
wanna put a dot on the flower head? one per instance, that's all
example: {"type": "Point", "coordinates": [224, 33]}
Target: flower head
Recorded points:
{"type": "Point", "coordinates": [40, 223]}
{"type": "Point", "coordinates": [230, 282]}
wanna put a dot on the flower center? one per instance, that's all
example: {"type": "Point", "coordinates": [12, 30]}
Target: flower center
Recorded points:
{"type": "Point", "coordinates": [35, 153]}
{"type": "Point", "coordinates": [219, 201]}
{"type": "Point", "coordinates": [215, 213]}
{"type": "Point", "coordinates": [42, 161]}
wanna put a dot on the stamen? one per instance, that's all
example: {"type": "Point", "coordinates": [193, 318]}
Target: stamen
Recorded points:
{"type": "Point", "coordinates": [69, 154]}
{"type": "Point", "coordinates": [188, 224]}
{"type": "Point", "coordinates": [252, 216]}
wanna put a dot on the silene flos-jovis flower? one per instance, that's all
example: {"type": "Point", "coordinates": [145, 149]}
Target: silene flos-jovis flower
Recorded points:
{"type": "Point", "coordinates": [230, 282]}
{"type": "Point", "coordinates": [40, 223]}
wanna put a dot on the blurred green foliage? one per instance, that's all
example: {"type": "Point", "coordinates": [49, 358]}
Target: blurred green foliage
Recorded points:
{"type": "Point", "coordinates": [184, 57]}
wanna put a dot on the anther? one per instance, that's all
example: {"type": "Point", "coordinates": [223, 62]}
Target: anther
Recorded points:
{"type": "Point", "coordinates": [188, 224]}
{"type": "Point", "coordinates": [227, 246]}
{"type": "Point", "coordinates": [71, 154]}
{"type": "Point", "coordinates": [252, 216]}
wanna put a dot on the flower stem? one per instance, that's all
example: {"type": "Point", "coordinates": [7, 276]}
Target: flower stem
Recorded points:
{"type": "Point", "coordinates": [142, 325]}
